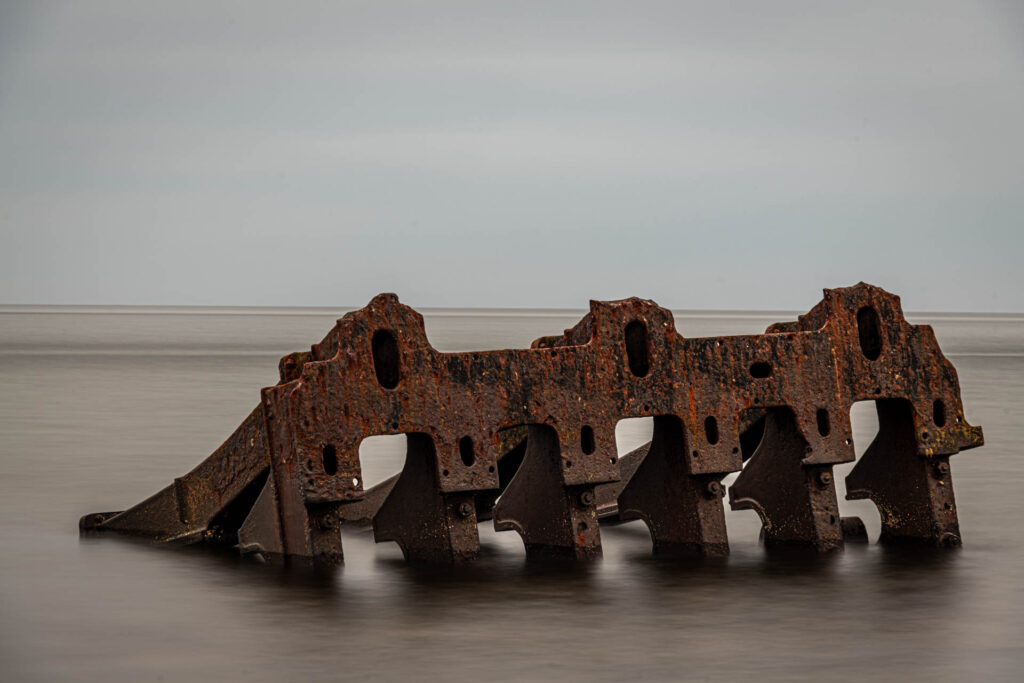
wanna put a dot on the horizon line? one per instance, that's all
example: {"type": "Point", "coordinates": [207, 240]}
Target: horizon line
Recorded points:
{"type": "Point", "coordinates": [505, 311]}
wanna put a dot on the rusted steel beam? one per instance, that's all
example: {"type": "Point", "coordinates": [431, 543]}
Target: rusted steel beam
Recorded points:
{"type": "Point", "coordinates": [537, 427]}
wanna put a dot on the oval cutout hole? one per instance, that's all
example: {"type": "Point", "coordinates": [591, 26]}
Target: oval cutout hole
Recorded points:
{"type": "Point", "coordinates": [939, 413]}
{"type": "Point", "coordinates": [587, 444]}
{"type": "Point", "coordinates": [638, 348]}
{"type": "Point", "coordinates": [869, 330]}
{"type": "Point", "coordinates": [330, 460]}
{"type": "Point", "coordinates": [385, 358]}
{"type": "Point", "coordinates": [466, 451]}
{"type": "Point", "coordinates": [761, 370]}
{"type": "Point", "coordinates": [711, 429]}
{"type": "Point", "coordinates": [824, 426]}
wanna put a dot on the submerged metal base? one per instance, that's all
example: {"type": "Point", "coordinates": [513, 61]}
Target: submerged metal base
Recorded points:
{"type": "Point", "coordinates": [527, 438]}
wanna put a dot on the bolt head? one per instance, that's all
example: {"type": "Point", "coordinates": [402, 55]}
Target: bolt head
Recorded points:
{"type": "Point", "coordinates": [943, 467]}
{"type": "Point", "coordinates": [714, 489]}
{"type": "Point", "coordinates": [825, 478]}
{"type": "Point", "coordinates": [587, 498]}
{"type": "Point", "coordinates": [950, 540]}
{"type": "Point", "coordinates": [465, 509]}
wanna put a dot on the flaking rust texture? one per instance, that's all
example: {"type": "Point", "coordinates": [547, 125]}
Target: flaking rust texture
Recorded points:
{"type": "Point", "coordinates": [526, 437]}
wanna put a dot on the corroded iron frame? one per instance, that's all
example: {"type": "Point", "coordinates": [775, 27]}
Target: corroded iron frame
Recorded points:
{"type": "Point", "coordinates": [537, 427]}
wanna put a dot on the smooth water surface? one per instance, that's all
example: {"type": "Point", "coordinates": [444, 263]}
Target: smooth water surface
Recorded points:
{"type": "Point", "coordinates": [102, 407]}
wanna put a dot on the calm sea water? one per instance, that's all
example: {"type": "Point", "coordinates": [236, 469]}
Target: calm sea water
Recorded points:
{"type": "Point", "coordinates": [101, 407]}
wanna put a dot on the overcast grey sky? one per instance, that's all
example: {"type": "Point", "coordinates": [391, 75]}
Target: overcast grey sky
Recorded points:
{"type": "Point", "coordinates": [705, 154]}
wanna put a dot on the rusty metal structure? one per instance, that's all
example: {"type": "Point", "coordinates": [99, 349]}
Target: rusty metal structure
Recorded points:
{"type": "Point", "coordinates": [526, 437]}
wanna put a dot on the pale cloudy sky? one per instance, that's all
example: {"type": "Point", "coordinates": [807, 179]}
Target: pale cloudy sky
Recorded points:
{"type": "Point", "coordinates": [703, 154]}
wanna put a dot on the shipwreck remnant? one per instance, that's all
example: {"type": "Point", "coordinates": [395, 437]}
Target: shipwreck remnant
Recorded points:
{"type": "Point", "coordinates": [526, 437]}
